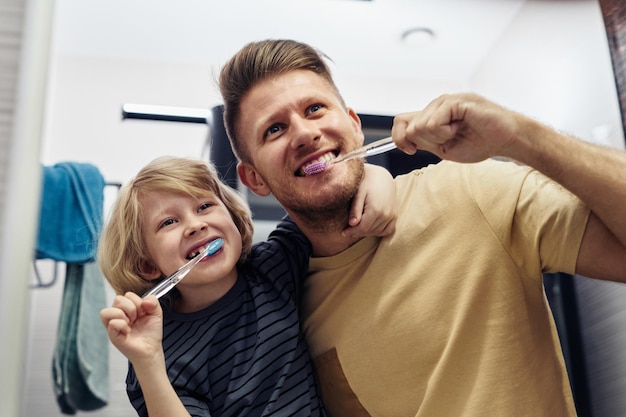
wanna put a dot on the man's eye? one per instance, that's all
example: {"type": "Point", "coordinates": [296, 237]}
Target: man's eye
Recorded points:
{"type": "Point", "coordinates": [272, 130]}
{"type": "Point", "coordinates": [315, 108]}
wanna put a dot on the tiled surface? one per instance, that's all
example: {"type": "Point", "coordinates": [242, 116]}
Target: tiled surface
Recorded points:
{"type": "Point", "coordinates": [11, 18]}
{"type": "Point", "coordinates": [614, 13]}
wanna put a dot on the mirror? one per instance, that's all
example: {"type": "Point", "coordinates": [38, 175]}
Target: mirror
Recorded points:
{"type": "Point", "coordinates": [548, 59]}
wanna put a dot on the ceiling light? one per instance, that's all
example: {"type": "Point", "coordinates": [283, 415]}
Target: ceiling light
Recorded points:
{"type": "Point", "coordinates": [417, 36]}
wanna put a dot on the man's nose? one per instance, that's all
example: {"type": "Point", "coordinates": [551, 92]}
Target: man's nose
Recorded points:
{"type": "Point", "coordinates": [305, 132]}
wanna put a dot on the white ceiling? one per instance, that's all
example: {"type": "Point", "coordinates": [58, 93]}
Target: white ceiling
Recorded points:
{"type": "Point", "coordinates": [360, 36]}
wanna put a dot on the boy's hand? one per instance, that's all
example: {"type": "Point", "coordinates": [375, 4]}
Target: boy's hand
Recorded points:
{"type": "Point", "coordinates": [135, 326]}
{"type": "Point", "coordinates": [374, 210]}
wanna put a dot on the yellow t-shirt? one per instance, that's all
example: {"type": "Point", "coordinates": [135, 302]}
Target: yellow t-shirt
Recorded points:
{"type": "Point", "coordinates": [448, 317]}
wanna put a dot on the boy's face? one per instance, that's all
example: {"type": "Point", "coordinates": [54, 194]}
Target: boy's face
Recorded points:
{"type": "Point", "coordinates": [288, 122]}
{"type": "Point", "coordinates": [178, 226]}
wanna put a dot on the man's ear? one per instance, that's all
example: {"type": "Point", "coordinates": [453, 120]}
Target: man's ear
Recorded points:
{"type": "Point", "coordinates": [252, 179]}
{"type": "Point", "coordinates": [356, 123]}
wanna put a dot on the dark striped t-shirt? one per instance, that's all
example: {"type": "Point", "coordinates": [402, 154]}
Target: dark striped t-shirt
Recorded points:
{"type": "Point", "coordinates": [245, 355]}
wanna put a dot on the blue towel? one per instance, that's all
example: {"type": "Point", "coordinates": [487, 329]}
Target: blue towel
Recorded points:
{"type": "Point", "coordinates": [80, 365]}
{"type": "Point", "coordinates": [70, 218]}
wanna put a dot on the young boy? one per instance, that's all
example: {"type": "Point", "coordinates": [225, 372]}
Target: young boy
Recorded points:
{"type": "Point", "coordinates": [226, 341]}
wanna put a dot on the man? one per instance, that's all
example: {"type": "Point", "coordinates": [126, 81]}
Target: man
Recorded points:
{"type": "Point", "coordinates": [447, 316]}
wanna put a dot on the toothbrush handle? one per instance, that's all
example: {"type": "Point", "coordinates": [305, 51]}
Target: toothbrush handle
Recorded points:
{"type": "Point", "coordinates": [380, 146]}
{"type": "Point", "coordinates": [374, 148]}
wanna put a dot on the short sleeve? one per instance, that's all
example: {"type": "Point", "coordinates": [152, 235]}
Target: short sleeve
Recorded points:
{"type": "Point", "coordinates": [539, 220]}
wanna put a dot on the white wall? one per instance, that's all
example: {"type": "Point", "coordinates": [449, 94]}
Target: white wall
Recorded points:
{"type": "Point", "coordinates": [565, 80]}
{"type": "Point", "coordinates": [85, 112]}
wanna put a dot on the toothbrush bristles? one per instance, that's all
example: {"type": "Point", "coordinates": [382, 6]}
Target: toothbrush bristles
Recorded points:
{"type": "Point", "coordinates": [315, 168]}
{"type": "Point", "coordinates": [214, 246]}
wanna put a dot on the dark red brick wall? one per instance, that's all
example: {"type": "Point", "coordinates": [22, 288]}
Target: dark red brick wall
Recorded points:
{"type": "Point", "coordinates": [614, 13]}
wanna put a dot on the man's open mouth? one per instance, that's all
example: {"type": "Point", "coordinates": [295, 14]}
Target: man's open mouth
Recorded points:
{"type": "Point", "coordinates": [316, 164]}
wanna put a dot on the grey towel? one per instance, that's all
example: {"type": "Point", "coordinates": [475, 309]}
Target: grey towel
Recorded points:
{"type": "Point", "coordinates": [81, 356]}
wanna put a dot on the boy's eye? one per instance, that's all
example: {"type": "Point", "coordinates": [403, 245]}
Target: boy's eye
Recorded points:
{"type": "Point", "coordinates": [166, 222]}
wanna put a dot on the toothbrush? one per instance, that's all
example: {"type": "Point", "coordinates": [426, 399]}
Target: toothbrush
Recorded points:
{"type": "Point", "coordinates": [374, 148]}
{"type": "Point", "coordinates": [170, 282]}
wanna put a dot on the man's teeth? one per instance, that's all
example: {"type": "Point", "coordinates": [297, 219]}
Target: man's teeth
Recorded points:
{"type": "Point", "coordinates": [327, 157]}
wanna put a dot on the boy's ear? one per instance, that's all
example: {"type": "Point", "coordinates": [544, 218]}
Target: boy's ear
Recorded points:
{"type": "Point", "coordinates": [149, 271]}
{"type": "Point", "coordinates": [252, 179]}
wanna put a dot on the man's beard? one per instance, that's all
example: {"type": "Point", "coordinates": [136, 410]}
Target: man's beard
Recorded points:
{"type": "Point", "coordinates": [330, 215]}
